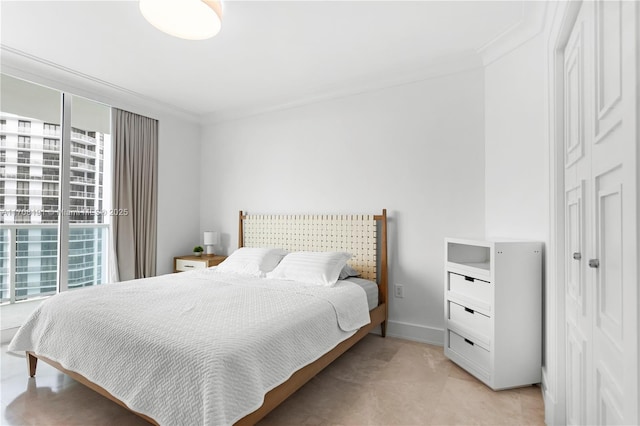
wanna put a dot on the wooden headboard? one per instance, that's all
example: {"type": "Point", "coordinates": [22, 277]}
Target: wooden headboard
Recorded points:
{"type": "Point", "coordinates": [355, 234]}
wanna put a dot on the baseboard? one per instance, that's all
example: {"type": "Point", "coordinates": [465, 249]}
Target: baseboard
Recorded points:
{"type": "Point", "coordinates": [415, 332]}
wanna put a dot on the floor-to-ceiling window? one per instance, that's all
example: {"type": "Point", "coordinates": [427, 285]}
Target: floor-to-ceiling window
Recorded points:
{"type": "Point", "coordinates": [54, 175]}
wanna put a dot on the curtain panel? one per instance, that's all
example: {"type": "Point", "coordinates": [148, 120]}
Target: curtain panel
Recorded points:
{"type": "Point", "coordinates": [135, 195]}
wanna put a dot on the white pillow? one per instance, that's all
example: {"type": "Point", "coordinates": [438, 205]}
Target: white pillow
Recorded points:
{"type": "Point", "coordinates": [347, 271]}
{"type": "Point", "coordinates": [317, 268]}
{"type": "Point", "coordinates": [251, 261]}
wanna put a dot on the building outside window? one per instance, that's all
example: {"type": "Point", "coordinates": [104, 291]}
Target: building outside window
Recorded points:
{"type": "Point", "coordinates": [51, 129]}
{"type": "Point", "coordinates": [23, 172]}
{"type": "Point", "coordinates": [24, 157]}
{"type": "Point", "coordinates": [23, 188]}
{"type": "Point", "coordinates": [24, 142]}
{"type": "Point", "coordinates": [24, 126]}
{"type": "Point", "coordinates": [51, 144]}
{"type": "Point", "coordinates": [49, 188]}
{"type": "Point", "coordinates": [50, 159]}
{"type": "Point", "coordinates": [30, 169]}
{"type": "Point", "coordinates": [50, 174]}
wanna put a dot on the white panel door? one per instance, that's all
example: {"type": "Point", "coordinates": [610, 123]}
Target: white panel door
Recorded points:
{"type": "Point", "coordinates": [577, 156]}
{"type": "Point", "coordinates": [601, 214]}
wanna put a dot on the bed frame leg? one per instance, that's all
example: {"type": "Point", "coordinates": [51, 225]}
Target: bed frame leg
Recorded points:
{"type": "Point", "coordinates": [32, 362]}
{"type": "Point", "coordinates": [383, 328]}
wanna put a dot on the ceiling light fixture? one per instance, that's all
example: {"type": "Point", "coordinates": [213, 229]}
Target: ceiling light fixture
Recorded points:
{"type": "Point", "coordinates": [187, 19]}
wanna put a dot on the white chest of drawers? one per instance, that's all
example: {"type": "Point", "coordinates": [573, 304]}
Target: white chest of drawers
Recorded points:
{"type": "Point", "coordinates": [493, 310]}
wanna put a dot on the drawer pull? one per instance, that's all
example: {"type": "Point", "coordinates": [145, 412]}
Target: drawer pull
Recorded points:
{"type": "Point", "coordinates": [469, 342]}
{"type": "Point", "coordinates": [469, 279]}
{"type": "Point", "coordinates": [471, 311]}
{"type": "Point", "coordinates": [188, 266]}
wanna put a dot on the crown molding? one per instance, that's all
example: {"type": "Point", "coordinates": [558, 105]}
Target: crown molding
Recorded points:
{"type": "Point", "coordinates": [467, 61]}
{"type": "Point", "coordinates": [531, 23]}
{"type": "Point", "coordinates": [41, 71]}
{"type": "Point", "coordinates": [23, 65]}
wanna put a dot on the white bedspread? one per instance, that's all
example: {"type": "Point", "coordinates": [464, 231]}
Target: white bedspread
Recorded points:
{"type": "Point", "coordinates": [195, 348]}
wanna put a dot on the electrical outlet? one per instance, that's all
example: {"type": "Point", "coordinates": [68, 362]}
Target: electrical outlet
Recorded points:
{"type": "Point", "coordinates": [399, 290]}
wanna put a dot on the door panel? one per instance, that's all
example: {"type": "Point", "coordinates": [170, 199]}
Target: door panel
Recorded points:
{"type": "Point", "coordinates": [574, 104]}
{"type": "Point", "coordinates": [609, 284]}
{"type": "Point", "coordinates": [609, 396]}
{"type": "Point", "coordinates": [575, 236]}
{"type": "Point", "coordinates": [577, 168]}
{"type": "Point", "coordinates": [601, 214]}
{"type": "Point", "coordinates": [576, 374]}
{"type": "Point", "coordinates": [608, 51]}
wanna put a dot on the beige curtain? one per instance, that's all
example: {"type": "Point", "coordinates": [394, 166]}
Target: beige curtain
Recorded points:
{"type": "Point", "coordinates": [135, 188]}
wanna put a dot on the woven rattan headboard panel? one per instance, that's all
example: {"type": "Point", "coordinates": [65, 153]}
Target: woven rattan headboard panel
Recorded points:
{"type": "Point", "coordinates": [355, 234]}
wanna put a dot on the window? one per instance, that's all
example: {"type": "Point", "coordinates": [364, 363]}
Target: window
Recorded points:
{"type": "Point", "coordinates": [42, 265]}
{"type": "Point", "coordinates": [49, 188]}
{"type": "Point", "coordinates": [24, 142]}
{"type": "Point", "coordinates": [50, 174]}
{"type": "Point", "coordinates": [22, 203]}
{"type": "Point", "coordinates": [49, 210]}
{"type": "Point", "coordinates": [24, 126]}
{"type": "Point", "coordinates": [51, 144]}
{"type": "Point", "coordinates": [23, 172]}
{"type": "Point", "coordinates": [49, 159]}
{"type": "Point", "coordinates": [23, 188]}
{"type": "Point", "coordinates": [24, 157]}
{"type": "Point", "coordinates": [51, 129]}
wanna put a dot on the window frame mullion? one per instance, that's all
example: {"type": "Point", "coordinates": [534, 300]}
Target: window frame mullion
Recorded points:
{"type": "Point", "coordinates": [64, 195]}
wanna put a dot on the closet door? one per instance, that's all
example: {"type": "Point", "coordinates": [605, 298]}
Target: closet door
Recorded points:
{"type": "Point", "coordinates": [601, 195]}
{"type": "Point", "coordinates": [577, 158]}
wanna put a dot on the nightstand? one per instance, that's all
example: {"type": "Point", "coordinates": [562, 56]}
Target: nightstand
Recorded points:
{"type": "Point", "coordinates": [188, 263]}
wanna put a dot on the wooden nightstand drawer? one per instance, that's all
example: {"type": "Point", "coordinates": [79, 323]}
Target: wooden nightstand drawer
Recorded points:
{"type": "Point", "coordinates": [189, 263]}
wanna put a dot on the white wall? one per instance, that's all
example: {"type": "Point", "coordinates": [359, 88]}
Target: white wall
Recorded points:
{"type": "Point", "coordinates": [518, 167]}
{"type": "Point", "coordinates": [178, 190]}
{"type": "Point", "coordinates": [415, 149]}
{"type": "Point", "coordinates": [516, 144]}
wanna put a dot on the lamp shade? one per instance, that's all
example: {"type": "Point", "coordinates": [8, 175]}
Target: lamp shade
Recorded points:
{"type": "Point", "coordinates": [210, 238]}
{"type": "Point", "coordinates": [187, 19]}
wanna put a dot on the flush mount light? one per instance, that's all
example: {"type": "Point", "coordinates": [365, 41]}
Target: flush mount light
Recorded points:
{"type": "Point", "coordinates": [188, 19]}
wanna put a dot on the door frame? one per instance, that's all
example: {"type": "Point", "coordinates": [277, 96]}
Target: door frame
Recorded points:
{"type": "Point", "coordinates": [554, 372]}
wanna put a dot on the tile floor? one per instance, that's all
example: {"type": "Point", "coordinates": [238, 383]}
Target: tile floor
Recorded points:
{"type": "Point", "coordinates": [378, 382]}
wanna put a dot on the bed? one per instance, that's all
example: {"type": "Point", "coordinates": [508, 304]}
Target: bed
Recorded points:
{"type": "Point", "coordinates": [166, 348]}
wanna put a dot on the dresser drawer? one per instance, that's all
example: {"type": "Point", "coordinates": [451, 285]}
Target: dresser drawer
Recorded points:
{"type": "Point", "coordinates": [188, 265]}
{"type": "Point", "coordinates": [471, 288]}
{"type": "Point", "coordinates": [472, 320]}
{"type": "Point", "coordinates": [469, 350]}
